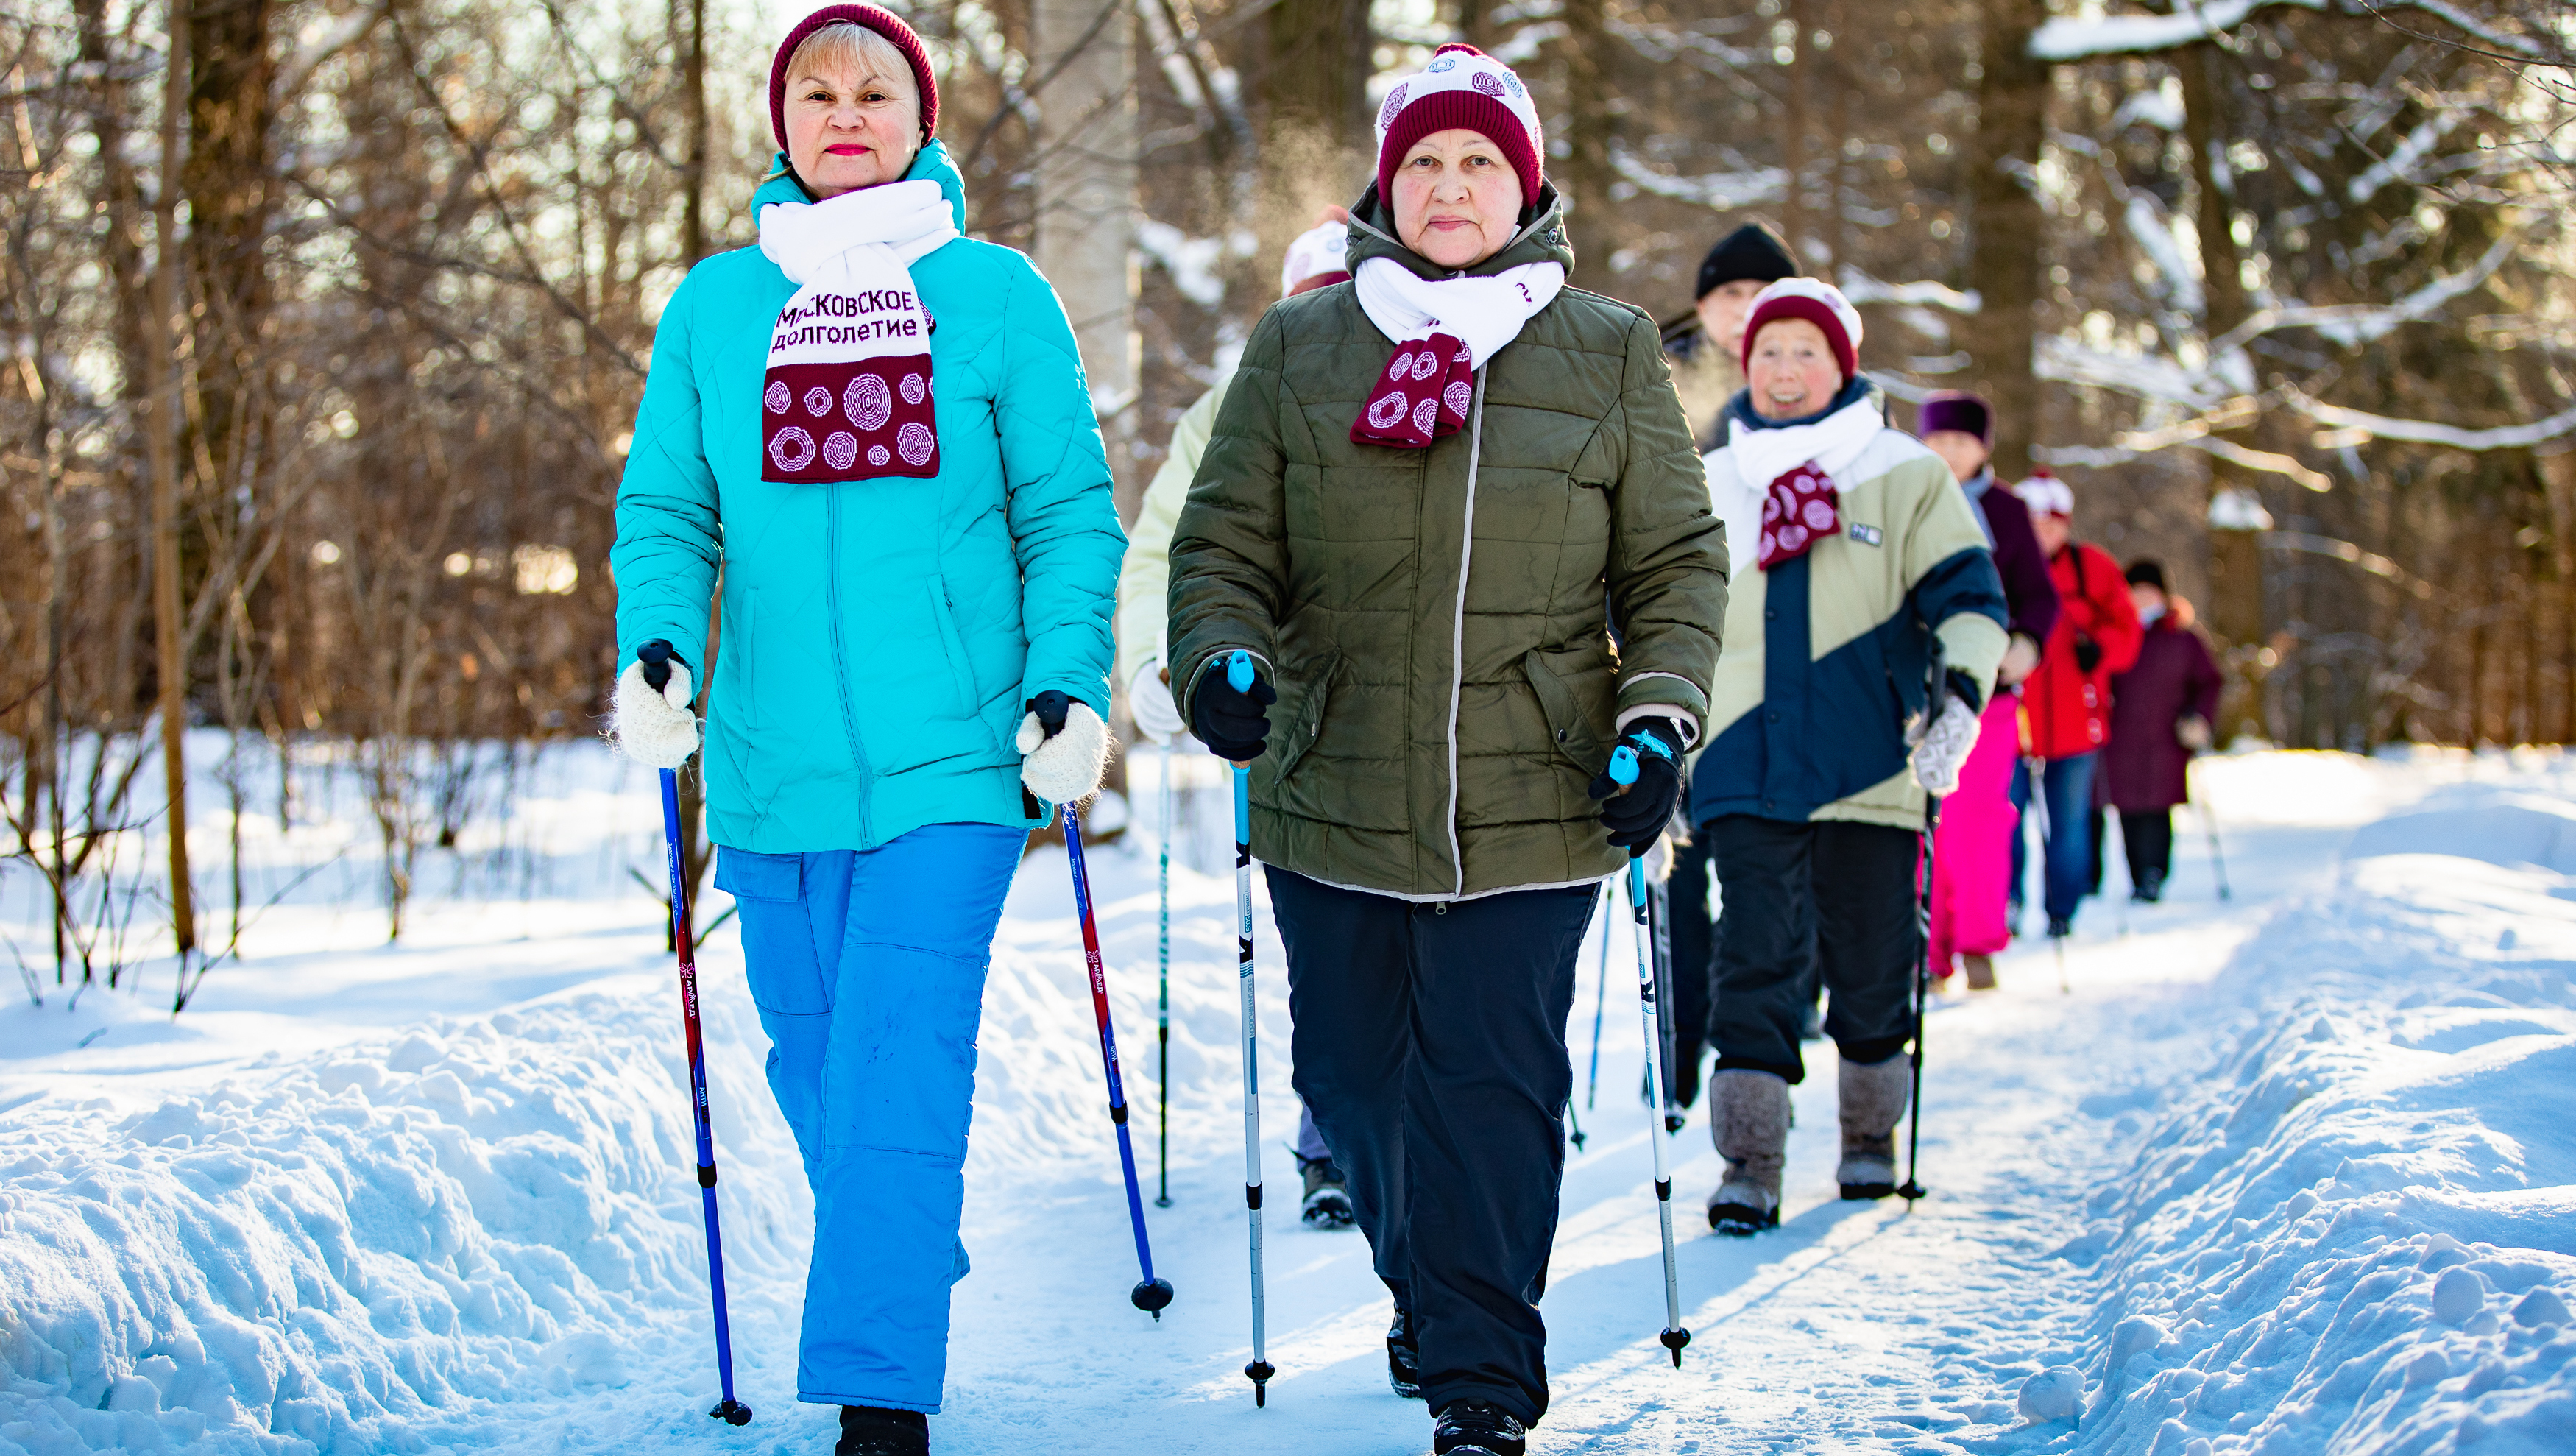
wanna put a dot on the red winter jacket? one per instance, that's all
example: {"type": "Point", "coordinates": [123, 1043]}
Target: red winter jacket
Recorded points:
{"type": "Point", "coordinates": [2066, 710]}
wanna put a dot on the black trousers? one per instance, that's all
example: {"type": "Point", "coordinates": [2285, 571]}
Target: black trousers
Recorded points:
{"type": "Point", "coordinates": [1430, 1045]}
{"type": "Point", "coordinates": [2147, 834]}
{"type": "Point", "coordinates": [1836, 896]}
{"type": "Point", "coordinates": [1693, 936]}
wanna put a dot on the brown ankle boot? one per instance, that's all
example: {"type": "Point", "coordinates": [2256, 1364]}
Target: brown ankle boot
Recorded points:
{"type": "Point", "coordinates": [1749, 1119]}
{"type": "Point", "coordinates": [1981, 972]}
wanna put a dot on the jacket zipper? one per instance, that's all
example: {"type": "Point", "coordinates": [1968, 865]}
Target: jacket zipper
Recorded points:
{"type": "Point", "coordinates": [840, 661]}
{"type": "Point", "coordinates": [1458, 630]}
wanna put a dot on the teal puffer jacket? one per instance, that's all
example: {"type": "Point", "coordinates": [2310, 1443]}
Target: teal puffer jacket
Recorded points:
{"type": "Point", "coordinates": [879, 636]}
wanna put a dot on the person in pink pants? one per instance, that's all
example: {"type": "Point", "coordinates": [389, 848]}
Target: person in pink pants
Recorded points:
{"type": "Point", "coordinates": [1972, 850]}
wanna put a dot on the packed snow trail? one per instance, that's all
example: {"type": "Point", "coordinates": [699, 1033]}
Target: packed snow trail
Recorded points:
{"type": "Point", "coordinates": [2290, 1173]}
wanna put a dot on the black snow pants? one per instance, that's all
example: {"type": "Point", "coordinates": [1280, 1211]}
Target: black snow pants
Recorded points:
{"type": "Point", "coordinates": [1837, 896]}
{"type": "Point", "coordinates": [1430, 1044]}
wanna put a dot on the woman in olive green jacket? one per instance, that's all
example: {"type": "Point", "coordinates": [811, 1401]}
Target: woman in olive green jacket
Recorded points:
{"type": "Point", "coordinates": [1423, 489]}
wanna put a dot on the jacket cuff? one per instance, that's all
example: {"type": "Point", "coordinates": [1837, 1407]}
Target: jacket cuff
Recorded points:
{"type": "Point", "coordinates": [1663, 694]}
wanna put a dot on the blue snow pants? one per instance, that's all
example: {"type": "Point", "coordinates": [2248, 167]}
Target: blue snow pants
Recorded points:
{"type": "Point", "coordinates": [868, 969]}
{"type": "Point", "coordinates": [2066, 852]}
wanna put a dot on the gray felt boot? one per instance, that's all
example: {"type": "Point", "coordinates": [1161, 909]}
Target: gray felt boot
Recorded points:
{"type": "Point", "coordinates": [1873, 1102]}
{"type": "Point", "coordinates": [1749, 1120]}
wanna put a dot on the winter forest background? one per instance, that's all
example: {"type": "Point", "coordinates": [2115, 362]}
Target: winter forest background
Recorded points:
{"type": "Point", "coordinates": [323, 322]}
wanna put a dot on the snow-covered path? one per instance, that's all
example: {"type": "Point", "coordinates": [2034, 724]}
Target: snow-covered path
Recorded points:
{"type": "Point", "coordinates": [435, 1198]}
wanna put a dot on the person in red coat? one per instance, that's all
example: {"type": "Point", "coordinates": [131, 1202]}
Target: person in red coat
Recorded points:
{"type": "Point", "coordinates": [2161, 709]}
{"type": "Point", "coordinates": [2066, 704]}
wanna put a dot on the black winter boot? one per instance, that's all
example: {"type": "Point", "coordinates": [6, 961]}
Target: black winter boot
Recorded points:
{"type": "Point", "coordinates": [1473, 1428]}
{"type": "Point", "coordinates": [1403, 1357]}
{"type": "Point", "coordinates": [868, 1430]}
{"type": "Point", "coordinates": [1327, 1203]}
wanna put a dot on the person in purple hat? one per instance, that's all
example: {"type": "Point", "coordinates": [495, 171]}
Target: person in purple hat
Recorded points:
{"type": "Point", "coordinates": [1972, 850]}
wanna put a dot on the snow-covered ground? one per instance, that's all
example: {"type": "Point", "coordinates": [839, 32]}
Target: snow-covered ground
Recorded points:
{"type": "Point", "coordinates": [2291, 1172]}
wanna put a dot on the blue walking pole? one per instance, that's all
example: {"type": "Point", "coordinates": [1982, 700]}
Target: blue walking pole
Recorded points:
{"type": "Point", "coordinates": [1238, 676]}
{"type": "Point", "coordinates": [656, 657]}
{"type": "Point", "coordinates": [1623, 770]}
{"type": "Point", "coordinates": [1151, 1295]}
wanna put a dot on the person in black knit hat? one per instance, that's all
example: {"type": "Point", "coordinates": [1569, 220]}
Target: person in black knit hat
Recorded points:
{"type": "Point", "coordinates": [1705, 341]}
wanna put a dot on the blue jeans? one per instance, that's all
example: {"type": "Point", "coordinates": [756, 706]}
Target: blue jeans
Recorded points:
{"type": "Point", "coordinates": [868, 969]}
{"type": "Point", "coordinates": [2067, 872]}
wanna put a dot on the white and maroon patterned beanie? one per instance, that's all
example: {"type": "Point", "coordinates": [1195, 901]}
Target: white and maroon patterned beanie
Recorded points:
{"type": "Point", "coordinates": [1462, 87]}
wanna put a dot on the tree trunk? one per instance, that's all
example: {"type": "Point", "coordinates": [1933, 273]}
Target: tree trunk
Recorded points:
{"type": "Point", "coordinates": [161, 448]}
{"type": "Point", "coordinates": [1086, 204]}
{"type": "Point", "coordinates": [1585, 173]}
{"type": "Point", "coordinates": [2005, 222]}
{"type": "Point", "coordinates": [2235, 555]}
{"type": "Point", "coordinates": [1793, 138]}
{"type": "Point", "coordinates": [228, 183]}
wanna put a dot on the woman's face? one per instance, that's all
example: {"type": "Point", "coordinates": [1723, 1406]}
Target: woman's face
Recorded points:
{"type": "Point", "coordinates": [1457, 201]}
{"type": "Point", "coordinates": [1792, 370]}
{"type": "Point", "coordinates": [2052, 530]}
{"type": "Point", "coordinates": [1723, 312]}
{"type": "Point", "coordinates": [848, 131]}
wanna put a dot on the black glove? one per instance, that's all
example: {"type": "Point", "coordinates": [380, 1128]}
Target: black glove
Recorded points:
{"type": "Point", "coordinates": [1231, 724]}
{"type": "Point", "coordinates": [1636, 813]}
{"type": "Point", "coordinates": [2088, 653]}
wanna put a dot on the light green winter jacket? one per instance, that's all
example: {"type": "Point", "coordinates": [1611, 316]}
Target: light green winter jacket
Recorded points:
{"type": "Point", "coordinates": [879, 636]}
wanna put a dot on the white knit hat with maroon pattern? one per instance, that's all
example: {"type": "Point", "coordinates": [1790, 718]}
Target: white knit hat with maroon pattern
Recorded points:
{"type": "Point", "coordinates": [1462, 87]}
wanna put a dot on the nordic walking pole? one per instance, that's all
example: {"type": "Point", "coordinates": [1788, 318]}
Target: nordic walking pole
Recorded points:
{"type": "Point", "coordinates": [1936, 696]}
{"type": "Point", "coordinates": [2047, 831]}
{"type": "Point", "coordinates": [1623, 770]}
{"type": "Point", "coordinates": [1150, 1294]}
{"type": "Point", "coordinates": [1163, 1003]}
{"type": "Point", "coordinates": [2217, 859]}
{"type": "Point", "coordinates": [656, 657]}
{"type": "Point", "coordinates": [1600, 997]}
{"type": "Point", "coordinates": [1238, 676]}
{"type": "Point", "coordinates": [1659, 921]}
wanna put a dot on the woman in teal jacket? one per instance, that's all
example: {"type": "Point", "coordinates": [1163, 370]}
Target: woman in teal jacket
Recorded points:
{"type": "Point", "coordinates": [880, 431]}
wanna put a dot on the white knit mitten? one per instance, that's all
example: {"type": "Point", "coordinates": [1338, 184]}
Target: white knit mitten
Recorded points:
{"type": "Point", "coordinates": [1944, 748]}
{"type": "Point", "coordinates": [1149, 700]}
{"type": "Point", "coordinates": [656, 729]}
{"type": "Point", "coordinates": [1064, 769]}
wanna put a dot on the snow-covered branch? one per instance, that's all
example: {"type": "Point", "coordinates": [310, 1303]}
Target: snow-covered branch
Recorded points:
{"type": "Point", "coordinates": [2425, 432]}
{"type": "Point", "coordinates": [322, 45]}
{"type": "Point", "coordinates": [2354, 324]}
{"type": "Point", "coordinates": [1721, 191]}
{"type": "Point", "coordinates": [2076, 38]}
{"type": "Point", "coordinates": [1859, 287]}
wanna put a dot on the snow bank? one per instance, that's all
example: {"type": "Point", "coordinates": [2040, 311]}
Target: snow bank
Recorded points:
{"type": "Point", "coordinates": [2358, 1232]}
{"type": "Point", "coordinates": [359, 1253]}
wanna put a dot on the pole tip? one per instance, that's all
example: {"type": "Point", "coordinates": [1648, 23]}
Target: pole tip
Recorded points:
{"type": "Point", "coordinates": [1152, 1296]}
{"type": "Point", "coordinates": [731, 1412]}
{"type": "Point", "coordinates": [1673, 1340]}
{"type": "Point", "coordinates": [1260, 1372]}
{"type": "Point", "coordinates": [1911, 1190]}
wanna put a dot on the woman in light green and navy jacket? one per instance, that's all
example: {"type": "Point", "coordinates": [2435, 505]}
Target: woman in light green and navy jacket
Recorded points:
{"type": "Point", "coordinates": [881, 432]}
{"type": "Point", "coordinates": [1854, 552]}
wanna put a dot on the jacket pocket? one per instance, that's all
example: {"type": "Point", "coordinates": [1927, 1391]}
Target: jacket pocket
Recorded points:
{"type": "Point", "coordinates": [778, 950]}
{"type": "Point", "coordinates": [1305, 717]}
{"type": "Point", "coordinates": [952, 645]}
{"type": "Point", "coordinates": [1575, 732]}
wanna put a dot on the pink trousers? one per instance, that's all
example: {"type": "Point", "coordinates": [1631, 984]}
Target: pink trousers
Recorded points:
{"type": "Point", "coordinates": [1972, 848]}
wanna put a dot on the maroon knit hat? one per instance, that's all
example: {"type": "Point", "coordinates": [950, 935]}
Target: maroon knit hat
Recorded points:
{"type": "Point", "coordinates": [1956, 409]}
{"type": "Point", "coordinates": [1819, 303]}
{"type": "Point", "coordinates": [1462, 87]}
{"type": "Point", "coordinates": [885, 23]}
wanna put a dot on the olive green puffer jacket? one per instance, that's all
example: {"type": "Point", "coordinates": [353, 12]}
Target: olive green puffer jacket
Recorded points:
{"type": "Point", "coordinates": [1443, 708]}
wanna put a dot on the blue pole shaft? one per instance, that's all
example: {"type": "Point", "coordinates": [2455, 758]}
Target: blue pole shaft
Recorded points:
{"type": "Point", "coordinates": [686, 944]}
{"type": "Point", "coordinates": [1072, 818]}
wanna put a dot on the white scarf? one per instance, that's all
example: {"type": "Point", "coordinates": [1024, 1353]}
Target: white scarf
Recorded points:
{"type": "Point", "coordinates": [1760, 456]}
{"type": "Point", "coordinates": [849, 358]}
{"type": "Point", "coordinates": [1482, 313]}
